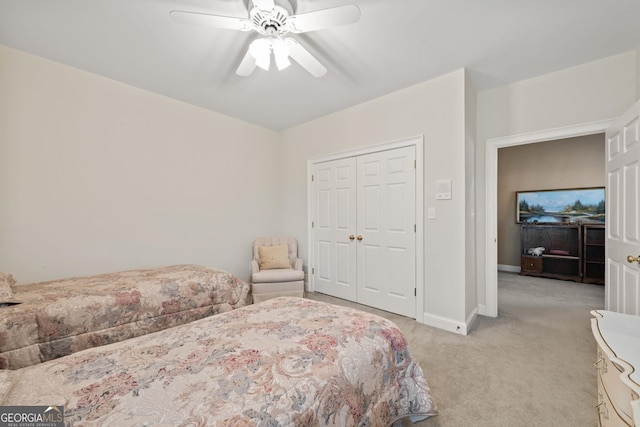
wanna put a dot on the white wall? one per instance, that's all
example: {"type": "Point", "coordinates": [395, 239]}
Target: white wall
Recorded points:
{"type": "Point", "coordinates": [435, 109]}
{"type": "Point", "coordinates": [591, 92]}
{"type": "Point", "coordinates": [97, 176]}
{"type": "Point", "coordinates": [471, 300]}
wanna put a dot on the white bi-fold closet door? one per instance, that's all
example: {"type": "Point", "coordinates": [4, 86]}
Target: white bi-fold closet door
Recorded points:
{"type": "Point", "coordinates": [364, 229]}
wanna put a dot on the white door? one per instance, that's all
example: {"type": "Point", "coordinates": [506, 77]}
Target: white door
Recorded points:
{"type": "Point", "coordinates": [333, 207]}
{"type": "Point", "coordinates": [364, 240]}
{"type": "Point", "coordinates": [386, 231]}
{"type": "Point", "coordinates": [623, 214]}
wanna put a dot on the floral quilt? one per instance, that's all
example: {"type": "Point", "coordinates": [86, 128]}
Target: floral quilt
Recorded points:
{"type": "Point", "coordinates": [64, 316]}
{"type": "Point", "coordinates": [285, 362]}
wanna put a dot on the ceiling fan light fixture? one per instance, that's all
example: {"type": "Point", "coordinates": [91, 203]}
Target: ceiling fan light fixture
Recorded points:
{"type": "Point", "coordinates": [282, 62]}
{"type": "Point", "coordinates": [281, 53]}
{"type": "Point", "coordinates": [260, 49]}
{"type": "Point", "coordinates": [264, 62]}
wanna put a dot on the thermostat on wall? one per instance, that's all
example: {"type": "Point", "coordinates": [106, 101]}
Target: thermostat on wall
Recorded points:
{"type": "Point", "coordinates": [443, 189]}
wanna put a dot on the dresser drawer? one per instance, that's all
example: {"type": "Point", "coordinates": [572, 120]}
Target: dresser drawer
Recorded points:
{"type": "Point", "coordinates": [607, 415]}
{"type": "Point", "coordinates": [618, 363]}
{"type": "Point", "coordinates": [619, 395]}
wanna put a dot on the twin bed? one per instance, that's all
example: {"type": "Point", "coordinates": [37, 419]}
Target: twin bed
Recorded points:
{"type": "Point", "coordinates": [284, 362]}
{"type": "Point", "coordinates": [60, 317]}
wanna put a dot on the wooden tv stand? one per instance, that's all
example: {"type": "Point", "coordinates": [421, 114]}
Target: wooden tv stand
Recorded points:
{"type": "Point", "coordinates": [572, 251]}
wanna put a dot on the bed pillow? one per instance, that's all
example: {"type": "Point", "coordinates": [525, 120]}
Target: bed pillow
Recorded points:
{"type": "Point", "coordinates": [272, 257]}
{"type": "Point", "coordinates": [6, 281]}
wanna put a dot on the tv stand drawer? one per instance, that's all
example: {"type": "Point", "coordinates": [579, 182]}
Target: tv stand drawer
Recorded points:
{"type": "Point", "coordinates": [531, 264]}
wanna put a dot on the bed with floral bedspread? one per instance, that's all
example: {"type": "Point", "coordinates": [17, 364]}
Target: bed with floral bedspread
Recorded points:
{"type": "Point", "coordinates": [64, 316]}
{"type": "Point", "coordinates": [285, 362]}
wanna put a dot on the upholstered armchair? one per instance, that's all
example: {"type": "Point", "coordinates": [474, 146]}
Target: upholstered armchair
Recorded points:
{"type": "Point", "coordinates": [276, 269]}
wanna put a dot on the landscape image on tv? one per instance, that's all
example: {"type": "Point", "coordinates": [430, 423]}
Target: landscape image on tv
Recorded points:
{"type": "Point", "coordinates": [586, 205]}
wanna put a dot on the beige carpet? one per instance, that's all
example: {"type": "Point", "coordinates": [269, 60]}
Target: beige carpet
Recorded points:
{"type": "Point", "coordinates": [530, 366]}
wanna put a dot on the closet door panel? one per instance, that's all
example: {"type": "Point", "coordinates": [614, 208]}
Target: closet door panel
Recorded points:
{"type": "Point", "coordinates": [386, 223]}
{"type": "Point", "coordinates": [334, 216]}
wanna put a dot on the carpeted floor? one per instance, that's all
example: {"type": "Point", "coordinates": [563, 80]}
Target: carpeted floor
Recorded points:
{"type": "Point", "coordinates": [530, 366]}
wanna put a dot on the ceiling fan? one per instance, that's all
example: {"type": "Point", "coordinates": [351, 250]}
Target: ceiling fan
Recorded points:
{"type": "Point", "coordinates": [273, 19]}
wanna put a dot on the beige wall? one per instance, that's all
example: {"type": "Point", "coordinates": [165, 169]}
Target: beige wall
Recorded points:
{"type": "Point", "coordinates": [98, 176]}
{"type": "Point", "coordinates": [435, 109]}
{"type": "Point", "coordinates": [567, 163]}
{"type": "Point", "coordinates": [595, 91]}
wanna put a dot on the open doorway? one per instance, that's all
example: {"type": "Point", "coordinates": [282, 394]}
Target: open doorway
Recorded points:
{"type": "Point", "coordinates": [491, 194]}
{"type": "Point", "coordinates": [570, 163]}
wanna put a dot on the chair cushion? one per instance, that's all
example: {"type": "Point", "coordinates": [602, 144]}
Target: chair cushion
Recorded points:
{"type": "Point", "coordinates": [281, 275]}
{"type": "Point", "coordinates": [274, 257]}
{"type": "Point", "coordinates": [291, 242]}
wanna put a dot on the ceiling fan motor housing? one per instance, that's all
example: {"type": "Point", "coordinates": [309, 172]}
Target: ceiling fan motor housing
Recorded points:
{"type": "Point", "coordinates": [271, 21]}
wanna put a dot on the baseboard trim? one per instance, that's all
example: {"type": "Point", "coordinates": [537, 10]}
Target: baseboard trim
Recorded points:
{"type": "Point", "coordinates": [471, 320]}
{"type": "Point", "coordinates": [509, 268]}
{"type": "Point", "coordinates": [445, 323]}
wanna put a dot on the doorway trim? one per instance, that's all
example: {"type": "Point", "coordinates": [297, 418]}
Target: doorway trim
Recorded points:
{"type": "Point", "coordinates": [418, 143]}
{"type": "Point", "coordinates": [491, 194]}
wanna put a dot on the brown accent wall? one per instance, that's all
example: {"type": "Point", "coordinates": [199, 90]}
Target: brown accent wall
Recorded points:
{"type": "Point", "coordinates": [568, 163]}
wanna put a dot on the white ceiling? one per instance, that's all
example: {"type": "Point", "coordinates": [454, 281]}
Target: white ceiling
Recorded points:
{"type": "Point", "coordinates": [396, 44]}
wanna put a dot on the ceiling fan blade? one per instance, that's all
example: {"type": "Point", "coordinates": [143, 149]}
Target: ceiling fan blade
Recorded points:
{"type": "Point", "coordinates": [266, 5]}
{"type": "Point", "coordinates": [247, 65]}
{"type": "Point", "coordinates": [217, 21]}
{"type": "Point", "coordinates": [325, 18]}
{"type": "Point", "coordinates": [305, 59]}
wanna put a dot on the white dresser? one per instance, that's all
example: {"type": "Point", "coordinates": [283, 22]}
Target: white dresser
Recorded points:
{"type": "Point", "coordinates": [618, 364]}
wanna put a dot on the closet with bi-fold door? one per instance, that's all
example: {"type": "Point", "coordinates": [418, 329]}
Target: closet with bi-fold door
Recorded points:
{"type": "Point", "coordinates": [363, 228]}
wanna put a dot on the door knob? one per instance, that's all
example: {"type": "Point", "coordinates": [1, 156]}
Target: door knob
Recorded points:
{"type": "Point", "coordinates": [359, 237]}
{"type": "Point", "coordinates": [632, 259]}
{"type": "Point", "coordinates": [351, 237]}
